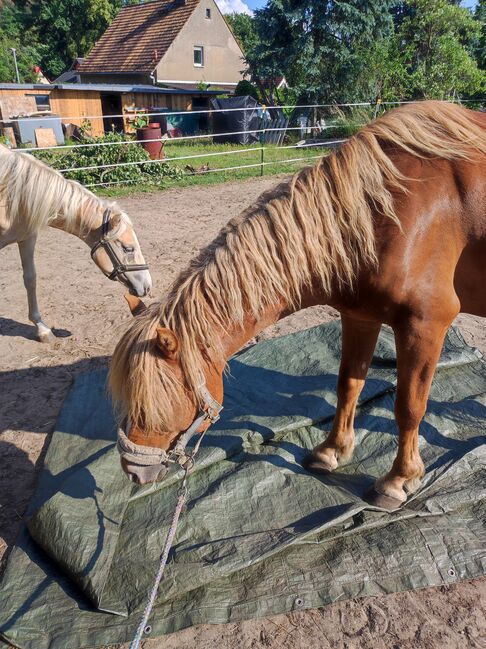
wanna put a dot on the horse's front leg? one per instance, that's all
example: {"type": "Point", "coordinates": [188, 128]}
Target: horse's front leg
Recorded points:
{"type": "Point", "coordinates": [358, 344]}
{"type": "Point", "coordinates": [26, 249]}
{"type": "Point", "coordinates": [419, 344]}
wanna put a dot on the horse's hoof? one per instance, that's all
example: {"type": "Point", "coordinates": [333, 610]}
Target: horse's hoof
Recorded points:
{"type": "Point", "coordinates": [312, 464]}
{"type": "Point", "coordinates": [46, 337]}
{"type": "Point", "coordinates": [382, 501]}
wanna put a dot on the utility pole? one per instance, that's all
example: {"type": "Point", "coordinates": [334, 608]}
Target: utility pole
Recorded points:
{"type": "Point", "coordinates": [14, 52]}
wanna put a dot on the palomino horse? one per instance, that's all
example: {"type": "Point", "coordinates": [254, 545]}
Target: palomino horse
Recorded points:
{"type": "Point", "coordinates": [33, 195]}
{"type": "Point", "coordinates": [389, 229]}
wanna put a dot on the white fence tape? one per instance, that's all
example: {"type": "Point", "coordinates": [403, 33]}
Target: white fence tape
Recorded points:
{"type": "Point", "coordinates": [256, 149]}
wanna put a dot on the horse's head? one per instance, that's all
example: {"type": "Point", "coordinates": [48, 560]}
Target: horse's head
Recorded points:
{"type": "Point", "coordinates": [117, 253]}
{"type": "Point", "coordinates": [149, 380]}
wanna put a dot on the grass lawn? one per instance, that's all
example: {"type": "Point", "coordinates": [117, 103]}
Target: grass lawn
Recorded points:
{"type": "Point", "coordinates": [276, 160]}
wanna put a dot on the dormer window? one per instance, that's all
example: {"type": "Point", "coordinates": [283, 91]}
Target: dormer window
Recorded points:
{"type": "Point", "coordinates": [198, 56]}
{"type": "Point", "coordinates": [208, 13]}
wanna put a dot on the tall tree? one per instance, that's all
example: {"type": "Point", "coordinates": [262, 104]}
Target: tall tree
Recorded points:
{"type": "Point", "coordinates": [243, 27]}
{"type": "Point", "coordinates": [480, 43]}
{"type": "Point", "coordinates": [12, 35]}
{"type": "Point", "coordinates": [68, 28]}
{"type": "Point", "coordinates": [317, 44]}
{"type": "Point", "coordinates": [436, 40]}
{"type": "Point", "coordinates": [429, 55]}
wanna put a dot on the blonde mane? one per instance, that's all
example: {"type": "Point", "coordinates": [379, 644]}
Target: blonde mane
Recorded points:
{"type": "Point", "coordinates": [35, 194]}
{"type": "Point", "coordinates": [316, 227]}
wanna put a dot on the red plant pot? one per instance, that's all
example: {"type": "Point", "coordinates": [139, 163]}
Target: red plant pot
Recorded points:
{"type": "Point", "coordinates": [151, 132]}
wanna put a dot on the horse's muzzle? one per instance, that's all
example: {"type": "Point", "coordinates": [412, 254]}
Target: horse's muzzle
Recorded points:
{"type": "Point", "coordinates": [139, 283]}
{"type": "Point", "coordinates": [141, 475]}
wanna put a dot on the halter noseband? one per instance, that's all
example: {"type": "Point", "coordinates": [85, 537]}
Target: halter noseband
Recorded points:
{"type": "Point", "coordinates": [151, 456]}
{"type": "Point", "coordinates": [105, 242]}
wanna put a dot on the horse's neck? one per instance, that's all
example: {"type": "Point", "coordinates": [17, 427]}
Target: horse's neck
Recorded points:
{"type": "Point", "coordinates": [78, 225]}
{"type": "Point", "coordinates": [236, 338]}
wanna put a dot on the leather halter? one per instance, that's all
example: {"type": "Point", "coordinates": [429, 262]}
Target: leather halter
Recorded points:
{"type": "Point", "coordinates": [105, 242]}
{"type": "Point", "coordinates": [151, 456]}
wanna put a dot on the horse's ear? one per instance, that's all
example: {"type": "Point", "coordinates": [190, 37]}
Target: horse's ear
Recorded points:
{"type": "Point", "coordinates": [168, 343]}
{"type": "Point", "coordinates": [135, 303]}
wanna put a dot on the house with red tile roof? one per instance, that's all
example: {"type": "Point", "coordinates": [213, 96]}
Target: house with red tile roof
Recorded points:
{"type": "Point", "coordinates": [178, 43]}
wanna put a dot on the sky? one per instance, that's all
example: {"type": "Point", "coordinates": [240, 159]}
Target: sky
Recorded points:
{"type": "Point", "coordinates": [247, 6]}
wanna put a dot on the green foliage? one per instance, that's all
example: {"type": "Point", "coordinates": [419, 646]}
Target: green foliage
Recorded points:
{"type": "Point", "coordinates": [437, 37]}
{"type": "Point", "coordinates": [479, 44]}
{"type": "Point", "coordinates": [146, 172]}
{"type": "Point", "coordinates": [67, 28]}
{"type": "Point", "coordinates": [317, 45]}
{"type": "Point", "coordinates": [243, 27]}
{"type": "Point", "coordinates": [12, 34]}
{"type": "Point", "coordinates": [140, 120]}
{"type": "Point", "coordinates": [347, 123]}
{"type": "Point", "coordinates": [246, 89]}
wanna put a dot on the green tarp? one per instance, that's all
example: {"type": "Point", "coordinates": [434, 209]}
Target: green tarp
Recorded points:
{"type": "Point", "coordinates": [260, 535]}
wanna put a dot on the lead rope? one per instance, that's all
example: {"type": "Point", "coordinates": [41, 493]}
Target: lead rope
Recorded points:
{"type": "Point", "coordinates": [143, 627]}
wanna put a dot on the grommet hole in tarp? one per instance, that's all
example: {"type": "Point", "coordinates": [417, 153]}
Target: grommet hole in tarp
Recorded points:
{"type": "Point", "coordinates": [148, 630]}
{"type": "Point", "coordinates": [451, 572]}
{"type": "Point", "coordinates": [298, 602]}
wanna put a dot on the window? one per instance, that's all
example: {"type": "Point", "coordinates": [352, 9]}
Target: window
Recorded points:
{"type": "Point", "coordinates": [42, 102]}
{"type": "Point", "coordinates": [208, 13]}
{"type": "Point", "coordinates": [198, 56]}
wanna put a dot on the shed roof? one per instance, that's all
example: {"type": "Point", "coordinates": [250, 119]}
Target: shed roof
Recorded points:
{"type": "Point", "coordinates": [139, 37]}
{"type": "Point", "coordinates": [108, 87]}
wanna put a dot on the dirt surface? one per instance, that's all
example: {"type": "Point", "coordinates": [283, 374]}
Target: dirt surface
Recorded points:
{"type": "Point", "coordinates": [87, 311]}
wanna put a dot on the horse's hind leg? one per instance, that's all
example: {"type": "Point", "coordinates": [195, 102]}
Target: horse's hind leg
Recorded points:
{"type": "Point", "coordinates": [419, 345]}
{"type": "Point", "coordinates": [358, 344]}
{"type": "Point", "coordinates": [26, 249]}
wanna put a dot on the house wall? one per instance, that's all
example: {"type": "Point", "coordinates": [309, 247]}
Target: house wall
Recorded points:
{"type": "Point", "coordinates": [222, 55]}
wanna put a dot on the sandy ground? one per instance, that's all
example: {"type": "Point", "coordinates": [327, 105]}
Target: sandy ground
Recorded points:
{"type": "Point", "coordinates": [87, 310]}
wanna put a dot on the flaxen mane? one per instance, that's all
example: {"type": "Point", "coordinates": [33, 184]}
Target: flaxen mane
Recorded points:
{"type": "Point", "coordinates": [318, 225]}
{"type": "Point", "coordinates": [36, 194]}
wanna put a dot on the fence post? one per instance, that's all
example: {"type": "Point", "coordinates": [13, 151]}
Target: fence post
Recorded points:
{"type": "Point", "coordinates": [262, 141]}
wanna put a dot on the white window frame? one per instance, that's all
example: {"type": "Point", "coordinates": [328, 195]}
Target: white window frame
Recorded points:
{"type": "Point", "coordinates": [199, 48]}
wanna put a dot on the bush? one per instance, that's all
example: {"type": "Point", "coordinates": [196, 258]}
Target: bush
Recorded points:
{"type": "Point", "coordinates": [347, 124]}
{"type": "Point", "coordinates": [246, 89]}
{"type": "Point", "coordinates": [101, 155]}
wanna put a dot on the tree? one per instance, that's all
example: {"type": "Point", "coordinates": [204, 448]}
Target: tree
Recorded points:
{"type": "Point", "coordinates": [479, 46]}
{"type": "Point", "coordinates": [243, 27]}
{"type": "Point", "coordinates": [68, 28]}
{"type": "Point", "coordinates": [317, 44]}
{"type": "Point", "coordinates": [435, 41]}
{"type": "Point", "coordinates": [429, 54]}
{"type": "Point", "coordinates": [246, 89]}
{"type": "Point", "coordinates": [12, 35]}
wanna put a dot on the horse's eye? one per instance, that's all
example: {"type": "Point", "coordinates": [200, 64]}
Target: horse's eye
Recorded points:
{"type": "Point", "coordinates": [128, 249]}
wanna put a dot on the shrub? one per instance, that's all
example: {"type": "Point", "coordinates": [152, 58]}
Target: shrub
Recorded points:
{"type": "Point", "coordinates": [101, 154]}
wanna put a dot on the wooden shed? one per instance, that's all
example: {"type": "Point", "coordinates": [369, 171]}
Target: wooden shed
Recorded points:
{"type": "Point", "coordinates": [105, 106]}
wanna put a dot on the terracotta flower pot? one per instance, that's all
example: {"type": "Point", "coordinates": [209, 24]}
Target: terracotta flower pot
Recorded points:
{"type": "Point", "coordinates": [151, 132]}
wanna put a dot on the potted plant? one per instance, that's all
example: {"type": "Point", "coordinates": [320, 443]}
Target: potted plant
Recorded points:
{"type": "Point", "coordinates": [149, 134]}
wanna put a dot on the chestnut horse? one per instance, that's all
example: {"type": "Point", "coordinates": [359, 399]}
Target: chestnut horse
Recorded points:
{"type": "Point", "coordinates": [389, 229]}
{"type": "Point", "coordinates": [33, 195]}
